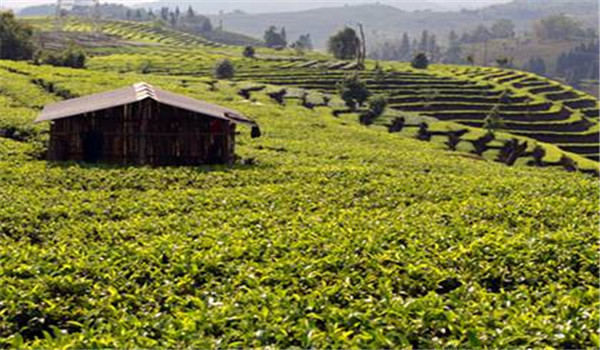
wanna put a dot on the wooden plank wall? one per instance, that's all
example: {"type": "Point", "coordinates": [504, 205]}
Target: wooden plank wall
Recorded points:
{"type": "Point", "coordinates": [145, 133]}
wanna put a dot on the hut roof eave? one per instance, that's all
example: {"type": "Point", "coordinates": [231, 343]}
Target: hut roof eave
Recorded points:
{"type": "Point", "coordinates": [132, 94]}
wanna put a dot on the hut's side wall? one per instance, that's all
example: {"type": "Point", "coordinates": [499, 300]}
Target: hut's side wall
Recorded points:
{"type": "Point", "coordinates": [143, 133]}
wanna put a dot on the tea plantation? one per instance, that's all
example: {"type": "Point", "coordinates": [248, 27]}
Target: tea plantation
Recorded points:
{"type": "Point", "coordinates": [326, 234]}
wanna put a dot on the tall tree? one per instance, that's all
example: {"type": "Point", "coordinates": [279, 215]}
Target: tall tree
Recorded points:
{"type": "Point", "coordinates": [424, 43]}
{"type": "Point", "coordinates": [558, 27]}
{"type": "Point", "coordinates": [433, 48]}
{"type": "Point", "coordinates": [344, 44]}
{"type": "Point", "coordinates": [138, 15]}
{"type": "Point", "coordinates": [454, 52]}
{"type": "Point", "coordinates": [536, 65]}
{"type": "Point", "coordinates": [304, 42]}
{"type": "Point", "coordinates": [274, 39]}
{"type": "Point", "coordinates": [15, 38]}
{"type": "Point", "coordinates": [503, 29]}
{"type": "Point", "coordinates": [164, 13]}
{"type": "Point", "coordinates": [190, 13]}
{"type": "Point", "coordinates": [405, 49]}
{"type": "Point", "coordinates": [481, 34]}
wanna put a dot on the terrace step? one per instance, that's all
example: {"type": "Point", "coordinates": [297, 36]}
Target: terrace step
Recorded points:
{"type": "Point", "coordinates": [545, 89]}
{"type": "Point", "coordinates": [581, 149]}
{"type": "Point", "coordinates": [468, 115]}
{"type": "Point", "coordinates": [557, 138]}
{"type": "Point", "coordinates": [576, 126]}
{"type": "Point", "coordinates": [581, 103]}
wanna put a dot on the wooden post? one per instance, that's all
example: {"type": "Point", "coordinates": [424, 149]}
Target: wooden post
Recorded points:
{"type": "Point", "coordinates": [362, 49]}
{"type": "Point", "coordinates": [145, 111]}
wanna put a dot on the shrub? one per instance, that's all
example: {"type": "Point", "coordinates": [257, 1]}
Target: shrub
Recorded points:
{"type": "Point", "coordinates": [73, 57]}
{"type": "Point", "coordinates": [568, 163]}
{"type": "Point", "coordinates": [493, 121]}
{"type": "Point", "coordinates": [397, 125]}
{"type": "Point", "coordinates": [511, 151]}
{"type": "Point", "coordinates": [278, 96]}
{"type": "Point", "coordinates": [377, 104]}
{"type": "Point", "coordinates": [224, 69]}
{"type": "Point", "coordinates": [423, 134]}
{"type": "Point", "coordinates": [453, 141]}
{"type": "Point", "coordinates": [353, 91]}
{"type": "Point", "coordinates": [481, 144]}
{"type": "Point", "coordinates": [503, 62]}
{"type": "Point", "coordinates": [538, 155]}
{"type": "Point", "coordinates": [379, 73]}
{"type": "Point", "coordinates": [420, 61]}
{"type": "Point", "coordinates": [249, 52]}
{"type": "Point", "coordinates": [145, 67]}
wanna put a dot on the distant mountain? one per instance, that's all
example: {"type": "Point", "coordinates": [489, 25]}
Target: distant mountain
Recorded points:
{"type": "Point", "coordinates": [385, 20]}
{"type": "Point", "coordinates": [255, 7]}
{"type": "Point", "coordinates": [381, 19]}
{"type": "Point", "coordinates": [37, 10]}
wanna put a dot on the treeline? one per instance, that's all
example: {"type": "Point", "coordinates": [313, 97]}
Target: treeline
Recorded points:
{"type": "Point", "coordinates": [501, 29]}
{"type": "Point", "coordinates": [406, 48]}
{"type": "Point", "coordinates": [580, 63]}
{"type": "Point", "coordinates": [187, 20]}
{"type": "Point", "coordinates": [16, 43]}
{"type": "Point", "coordinates": [277, 39]}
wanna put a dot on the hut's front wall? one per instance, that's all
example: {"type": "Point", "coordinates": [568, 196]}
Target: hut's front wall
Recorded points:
{"type": "Point", "coordinates": [143, 133]}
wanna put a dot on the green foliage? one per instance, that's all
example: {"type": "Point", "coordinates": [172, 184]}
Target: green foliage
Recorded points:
{"type": "Point", "coordinates": [420, 61]}
{"type": "Point", "coordinates": [503, 29]}
{"type": "Point", "coordinates": [379, 73]}
{"type": "Point", "coordinates": [353, 90]}
{"type": "Point", "coordinates": [493, 121]}
{"type": "Point", "coordinates": [274, 39]}
{"type": "Point", "coordinates": [248, 52]}
{"type": "Point", "coordinates": [377, 104]}
{"type": "Point", "coordinates": [503, 62]}
{"type": "Point", "coordinates": [558, 27]}
{"type": "Point", "coordinates": [344, 44]}
{"type": "Point", "coordinates": [73, 57]}
{"type": "Point", "coordinates": [224, 69]}
{"type": "Point", "coordinates": [146, 67]}
{"type": "Point", "coordinates": [304, 43]}
{"type": "Point", "coordinates": [536, 65]}
{"type": "Point", "coordinates": [15, 38]}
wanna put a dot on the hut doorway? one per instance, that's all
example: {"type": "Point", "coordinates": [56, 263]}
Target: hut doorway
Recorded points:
{"type": "Point", "coordinates": [92, 146]}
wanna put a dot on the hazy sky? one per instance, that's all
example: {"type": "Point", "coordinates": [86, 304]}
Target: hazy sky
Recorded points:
{"type": "Point", "coordinates": [25, 3]}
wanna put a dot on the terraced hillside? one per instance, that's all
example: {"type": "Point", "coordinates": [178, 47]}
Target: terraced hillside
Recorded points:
{"type": "Point", "coordinates": [142, 32]}
{"type": "Point", "coordinates": [530, 105]}
{"type": "Point", "coordinates": [325, 234]}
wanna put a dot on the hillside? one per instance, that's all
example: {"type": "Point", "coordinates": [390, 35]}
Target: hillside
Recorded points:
{"type": "Point", "coordinates": [381, 19]}
{"type": "Point", "coordinates": [538, 108]}
{"type": "Point", "coordinates": [259, 7]}
{"type": "Point", "coordinates": [326, 234]}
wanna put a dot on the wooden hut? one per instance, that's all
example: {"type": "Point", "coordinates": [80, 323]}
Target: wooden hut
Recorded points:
{"type": "Point", "coordinates": [141, 124]}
